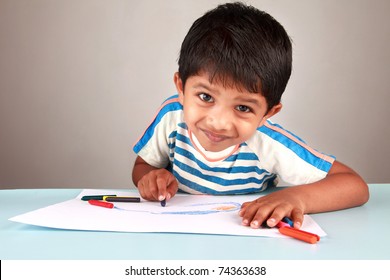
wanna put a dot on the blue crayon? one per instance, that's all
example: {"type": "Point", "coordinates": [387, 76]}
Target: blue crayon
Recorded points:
{"type": "Point", "coordinates": [288, 221]}
{"type": "Point", "coordinates": [163, 202]}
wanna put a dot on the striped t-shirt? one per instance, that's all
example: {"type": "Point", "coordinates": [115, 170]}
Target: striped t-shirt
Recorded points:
{"type": "Point", "coordinates": [271, 153]}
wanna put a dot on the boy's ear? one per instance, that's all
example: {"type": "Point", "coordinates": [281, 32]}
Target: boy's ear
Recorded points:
{"type": "Point", "coordinates": [273, 111]}
{"type": "Point", "coordinates": [179, 86]}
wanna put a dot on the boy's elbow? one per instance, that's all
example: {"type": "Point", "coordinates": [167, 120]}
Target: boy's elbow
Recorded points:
{"type": "Point", "coordinates": [365, 193]}
{"type": "Point", "coordinates": [363, 190]}
{"type": "Point", "coordinates": [358, 187]}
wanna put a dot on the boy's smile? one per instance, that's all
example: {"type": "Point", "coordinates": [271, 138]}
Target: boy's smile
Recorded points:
{"type": "Point", "coordinates": [221, 116]}
{"type": "Point", "coordinates": [215, 137]}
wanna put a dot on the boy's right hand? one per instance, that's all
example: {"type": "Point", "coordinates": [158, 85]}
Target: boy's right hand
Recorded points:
{"type": "Point", "coordinates": [157, 185]}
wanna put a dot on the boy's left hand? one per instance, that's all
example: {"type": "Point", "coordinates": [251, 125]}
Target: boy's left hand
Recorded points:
{"type": "Point", "coordinates": [272, 208]}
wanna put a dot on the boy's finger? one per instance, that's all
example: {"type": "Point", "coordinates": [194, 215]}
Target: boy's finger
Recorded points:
{"type": "Point", "coordinates": [245, 204]}
{"type": "Point", "coordinates": [151, 190]}
{"type": "Point", "coordinates": [254, 215]}
{"type": "Point", "coordinates": [241, 213]}
{"type": "Point", "coordinates": [297, 217]}
{"type": "Point", "coordinates": [277, 215]}
{"type": "Point", "coordinates": [145, 190]}
{"type": "Point", "coordinates": [161, 188]}
{"type": "Point", "coordinates": [172, 189]}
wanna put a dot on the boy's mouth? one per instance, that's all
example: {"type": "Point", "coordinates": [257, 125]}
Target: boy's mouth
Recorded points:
{"type": "Point", "coordinates": [215, 137]}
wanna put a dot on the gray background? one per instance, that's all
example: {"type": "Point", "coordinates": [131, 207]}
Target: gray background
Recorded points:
{"type": "Point", "coordinates": [81, 79]}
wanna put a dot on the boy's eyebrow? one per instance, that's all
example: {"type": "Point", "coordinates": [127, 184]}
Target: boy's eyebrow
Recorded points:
{"type": "Point", "coordinates": [203, 85]}
{"type": "Point", "coordinates": [249, 100]}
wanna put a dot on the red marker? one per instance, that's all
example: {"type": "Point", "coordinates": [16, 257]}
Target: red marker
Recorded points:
{"type": "Point", "coordinates": [101, 203]}
{"type": "Point", "coordinates": [286, 229]}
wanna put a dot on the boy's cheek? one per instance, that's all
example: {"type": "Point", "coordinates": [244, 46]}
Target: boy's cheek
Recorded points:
{"type": "Point", "coordinates": [191, 115]}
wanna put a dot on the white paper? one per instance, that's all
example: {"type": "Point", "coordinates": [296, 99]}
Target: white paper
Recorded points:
{"type": "Point", "coordinates": [201, 214]}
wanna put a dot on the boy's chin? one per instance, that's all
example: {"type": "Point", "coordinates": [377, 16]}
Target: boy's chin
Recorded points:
{"type": "Point", "coordinates": [216, 147]}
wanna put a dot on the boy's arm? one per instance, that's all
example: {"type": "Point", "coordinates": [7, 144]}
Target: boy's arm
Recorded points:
{"type": "Point", "coordinates": [140, 168]}
{"type": "Point", "coordinates": [153, 183]}
{"type": "Point", "coordinates": [341, 188]}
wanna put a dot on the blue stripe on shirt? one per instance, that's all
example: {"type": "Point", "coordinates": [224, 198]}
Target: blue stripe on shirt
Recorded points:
{"type": "Point", "coordinates": [232, 158]}
{"type": "Point", "coordinates": [197, 187]}
{"type": "Point", "coordinates": [234, 169]}
{"type": "Point", "coordinates": [174, 106]}
{"type": "Point", "coordinates": [302, 152]}
{"type": "Point", "coordinates": [216, 179]}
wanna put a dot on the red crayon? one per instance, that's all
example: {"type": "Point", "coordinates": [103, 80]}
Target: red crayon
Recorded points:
{"type": "Point", "coordinates": [101, 203]}
{"type": "Point", "coordinates": [286, 229]}
{"type": "Point", "coordinates": [300, 234]}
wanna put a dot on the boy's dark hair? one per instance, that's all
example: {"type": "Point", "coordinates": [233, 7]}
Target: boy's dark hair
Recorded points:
{"type": "Point", "coordinates": [239, 45]}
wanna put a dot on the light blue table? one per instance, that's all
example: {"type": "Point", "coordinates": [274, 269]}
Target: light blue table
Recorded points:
{"type": "Point", "coordinates": [353, 234]}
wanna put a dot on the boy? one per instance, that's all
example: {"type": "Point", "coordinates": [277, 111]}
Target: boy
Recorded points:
{"type": "Point", "coordinates": [214, 137]}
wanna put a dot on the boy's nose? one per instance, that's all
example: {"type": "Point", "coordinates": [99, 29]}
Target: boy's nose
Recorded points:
{"type": "Point", "coordinates": [220, 119]}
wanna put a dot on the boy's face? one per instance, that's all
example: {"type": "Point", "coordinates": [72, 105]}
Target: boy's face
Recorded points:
{"type": "Point", "coordinates": [221, 117]}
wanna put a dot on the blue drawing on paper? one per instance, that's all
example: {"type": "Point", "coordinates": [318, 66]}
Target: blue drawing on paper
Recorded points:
{"type": "Point", "coordinates": [194, 209]}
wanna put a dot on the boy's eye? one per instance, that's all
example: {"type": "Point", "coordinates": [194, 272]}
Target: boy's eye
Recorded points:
{"type": "Point", "coordinates": [205, 97]}
{"type": "Point", "coordinates": [243, 108]}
